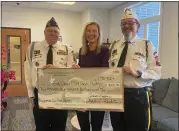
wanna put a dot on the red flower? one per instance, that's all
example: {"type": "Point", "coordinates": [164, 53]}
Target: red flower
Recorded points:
{"type": "Point", "coordinates": [5, 75]}
{"type": "Point", "coordinates": [2, 76]}
{"type": "Point", "coordinates": [12, 75]}
{"type": "Point", "coordinates": [4, 94]}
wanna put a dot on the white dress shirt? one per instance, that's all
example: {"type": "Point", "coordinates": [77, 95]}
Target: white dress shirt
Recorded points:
{"type": "Point", "coordinates": [136, 58]}
{"type": "Point", "coordinates": [62, 58]}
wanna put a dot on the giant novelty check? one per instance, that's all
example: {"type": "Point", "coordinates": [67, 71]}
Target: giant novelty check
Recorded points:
{"type": "Point", "coordinates": [84, 88]}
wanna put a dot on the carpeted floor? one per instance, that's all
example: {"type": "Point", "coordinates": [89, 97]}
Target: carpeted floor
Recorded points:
{"type": "Point", "coordinates": [18, 116]}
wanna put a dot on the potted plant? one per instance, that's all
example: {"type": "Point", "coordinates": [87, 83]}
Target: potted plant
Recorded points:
{"type": "Point", "coordinates": [6, 75]}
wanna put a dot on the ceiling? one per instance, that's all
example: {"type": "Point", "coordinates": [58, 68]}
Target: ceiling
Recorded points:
{"type": "Point", "coordinates": [77, 7]}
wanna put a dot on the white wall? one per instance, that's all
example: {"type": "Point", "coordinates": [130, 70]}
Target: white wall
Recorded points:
{"type": "Point", "coordinates": [85, 18]}
{"type": "Point", "coordinates": [71, 24]}
{"type": "Point", "coordinates": [101, 16]}
{"type": "Point", "coordinates": [36, 19]}
{"type": "Point", "coordinates": [168, 40]}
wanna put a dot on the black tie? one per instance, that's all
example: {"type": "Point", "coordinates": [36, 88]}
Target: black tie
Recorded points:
{"type": "Point", "coordinates": [123, 55]}
{"type": "Point", "coordinates": [50, 55]}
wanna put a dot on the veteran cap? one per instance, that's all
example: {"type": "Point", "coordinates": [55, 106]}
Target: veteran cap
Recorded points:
{"type": "Point", "coordinates": [128, 14]}
{"type": "Point", "coordinates": [52, 23]}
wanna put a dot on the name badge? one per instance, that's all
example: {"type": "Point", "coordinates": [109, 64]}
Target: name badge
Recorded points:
{"type": "Point", "coordinates": [36, 52]}
{"type": "Point", "coordinates": [61, 52]}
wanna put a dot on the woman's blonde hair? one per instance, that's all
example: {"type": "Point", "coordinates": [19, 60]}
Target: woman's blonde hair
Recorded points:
{"type": "Point", "coordinates": [84, 48]}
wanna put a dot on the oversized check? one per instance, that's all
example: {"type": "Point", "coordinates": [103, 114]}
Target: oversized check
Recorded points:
{"type": "Point", "coordinates": [84, 88]}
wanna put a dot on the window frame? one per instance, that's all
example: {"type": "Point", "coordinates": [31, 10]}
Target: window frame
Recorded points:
{"type": "Point", "coordinates": [149, 20]}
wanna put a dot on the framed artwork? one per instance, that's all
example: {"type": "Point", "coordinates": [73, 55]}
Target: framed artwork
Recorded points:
{"type": "Point", "coordinates": [60, 38]}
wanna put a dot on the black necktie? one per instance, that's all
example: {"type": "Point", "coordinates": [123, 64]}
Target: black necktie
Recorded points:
{"type": "Point", "coordinates": [123, 55]}
{"type": "Point", "coordinates": [50, 55]}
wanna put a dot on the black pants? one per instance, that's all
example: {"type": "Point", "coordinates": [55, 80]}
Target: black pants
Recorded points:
{"type": "Point", "coordinates": [96, 120]}
{"type": "Point", "coordinates": [136, 115]}
{"type": "Point", "coordinates": [47, 119]}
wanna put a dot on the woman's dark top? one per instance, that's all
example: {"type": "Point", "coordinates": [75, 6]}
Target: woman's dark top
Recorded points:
{"type": "Point", "coordinates": [91, 59]}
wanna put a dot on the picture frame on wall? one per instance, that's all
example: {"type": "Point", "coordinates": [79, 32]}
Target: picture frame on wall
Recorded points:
{"type": "Point", "coordinates": [60, 38]}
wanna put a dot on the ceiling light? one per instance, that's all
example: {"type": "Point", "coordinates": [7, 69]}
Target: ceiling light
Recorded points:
{"type": "Point", "coordinates": [66, 3]}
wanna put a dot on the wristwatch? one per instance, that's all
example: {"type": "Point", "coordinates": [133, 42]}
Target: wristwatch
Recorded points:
{"type": "Point", "coordinates": [140, 74]}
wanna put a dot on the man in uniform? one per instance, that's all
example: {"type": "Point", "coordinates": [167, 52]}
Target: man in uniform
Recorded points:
{"type": "Point", "coordinates": [47, 54]}
{"type": "Point", "coordinates": [136, 57]}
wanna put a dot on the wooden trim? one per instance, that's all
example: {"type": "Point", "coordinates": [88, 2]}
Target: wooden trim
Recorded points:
{"type": "Point", "coordinates": [16, 28]}
{"type": "Point", "coordinates": [17, 88]}
{"type": "Point", "coordinates": [20, 29]}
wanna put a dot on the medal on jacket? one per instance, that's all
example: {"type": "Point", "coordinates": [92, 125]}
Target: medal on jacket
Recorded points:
{"type": "Point", "coordinates": [36, 64]}
{"type": "Point", "coordinates": [114, 52]}
{"type": "Point", "coordinates": [61, 52]}
{"type": "Point", "coordinates": [37, 54]}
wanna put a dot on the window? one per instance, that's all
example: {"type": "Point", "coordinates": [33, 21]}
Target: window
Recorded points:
{"type": "Point", "coordinates": [147, 10]}
{"type": "Point", "coordinates": [153, 33]}
{"type": "Point", "coordinates": [149, 17]}
{"type": "Point", "coordinates": [141, 31]}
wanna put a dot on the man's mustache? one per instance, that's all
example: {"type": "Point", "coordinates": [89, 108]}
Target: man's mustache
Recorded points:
{"type": "Point", "coordinates": [125, 29]}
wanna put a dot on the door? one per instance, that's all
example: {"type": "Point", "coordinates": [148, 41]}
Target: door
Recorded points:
{"type": "Point", "coordinates": [14, 45]}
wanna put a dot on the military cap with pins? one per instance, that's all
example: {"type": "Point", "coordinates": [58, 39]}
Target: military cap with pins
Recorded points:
{"type": "Point", "coordinates": [52, 23]}
{"type": "Point", "coordinates": [128, 13]}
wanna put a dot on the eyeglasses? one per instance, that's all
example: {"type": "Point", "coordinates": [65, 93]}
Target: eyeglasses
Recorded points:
{"type": "Point", "coordinates": [128, 23]}
{"type": "Point", "coordinates": [51, 31]}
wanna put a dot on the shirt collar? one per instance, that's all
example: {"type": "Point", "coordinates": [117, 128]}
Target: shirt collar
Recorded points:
{"type": "Point", "coordinates": [46, 45]}
{"type": "Point", "coordinates": [132, 41]}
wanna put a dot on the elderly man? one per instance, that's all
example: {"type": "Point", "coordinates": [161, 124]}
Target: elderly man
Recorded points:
{"type": "Point", "coordinates": [136, 56]}
{"type": "Point", "coordinates": [47, 54]}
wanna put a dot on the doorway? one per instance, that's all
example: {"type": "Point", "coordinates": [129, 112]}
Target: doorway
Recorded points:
{"type": "Point", "coordinates": [14, 45]}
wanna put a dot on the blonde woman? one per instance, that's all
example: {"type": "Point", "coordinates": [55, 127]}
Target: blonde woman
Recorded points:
{"type": "Point", "coordinates": [92, 54]}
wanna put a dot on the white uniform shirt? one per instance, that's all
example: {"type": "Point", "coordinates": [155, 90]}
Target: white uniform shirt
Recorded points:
{"type": "Point", "coordinates": [62, 58]}
{"type": "Point", "coordinates": [136, 57]}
